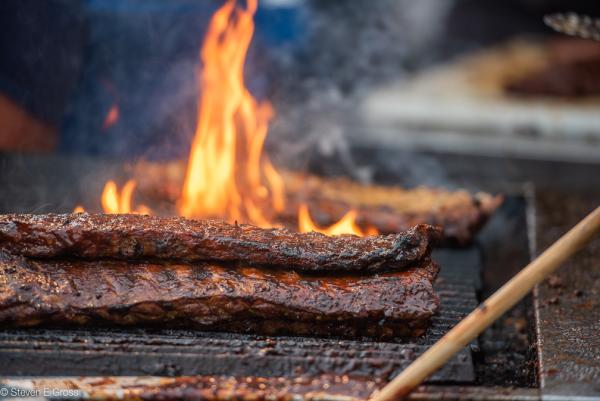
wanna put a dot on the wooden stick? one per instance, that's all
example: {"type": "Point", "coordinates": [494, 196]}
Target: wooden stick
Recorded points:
{"type": "Point", "coordinates": [490, 310]}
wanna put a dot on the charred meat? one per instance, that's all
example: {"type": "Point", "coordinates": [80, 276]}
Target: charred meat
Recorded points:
{"type": "Point", "coordinates": [136, 237]}
{"type": "Point", "coordinates": [390, 209]}
{"type": "Point", "coordinates": [211, 297]}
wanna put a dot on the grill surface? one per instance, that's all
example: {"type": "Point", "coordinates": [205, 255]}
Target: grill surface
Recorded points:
{"type": "Point", "coordinates": [568, 307]}
{"type": "Point", "coordinates": [102, 351]}
{"type": "Point", "coordinates": [44, 184]}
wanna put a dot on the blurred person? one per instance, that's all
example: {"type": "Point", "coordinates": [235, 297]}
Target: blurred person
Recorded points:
{"type": "Point", "coordinates": [41, 47]}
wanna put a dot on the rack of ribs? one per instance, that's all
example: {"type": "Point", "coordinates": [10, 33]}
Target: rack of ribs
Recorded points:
{"type": "Point", "coordinates": [389, 209]}
{"type": "Point", "coordinates": [206, 296]}
{"type": "Point", "coordinates": [125, 270]}
{"type": "Point", "coordinates": [138, 237]}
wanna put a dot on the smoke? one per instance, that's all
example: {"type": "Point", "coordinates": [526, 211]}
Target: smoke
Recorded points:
{"type": "Point", "coordinates": [140, 57]}
{"type": "Point", "coordinates": [350, 48]}
{"type": "Point", "coordinates": [315, 79]}
{"type": "Point", "coordinates": [356, 45]}
{"type": "Point", "coordinates": [331, 55]}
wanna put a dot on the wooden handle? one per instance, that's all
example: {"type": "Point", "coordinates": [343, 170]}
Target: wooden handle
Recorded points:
{"type": "Point", "coordinates": [490, 310]}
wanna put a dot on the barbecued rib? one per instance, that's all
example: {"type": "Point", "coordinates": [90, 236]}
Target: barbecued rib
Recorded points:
{"type": "Point", "coordinates": [387, 208]}
{"type": "Point", "coordinates": [206, 296]}
{"type": "Point", "coordinates": [129, 237]}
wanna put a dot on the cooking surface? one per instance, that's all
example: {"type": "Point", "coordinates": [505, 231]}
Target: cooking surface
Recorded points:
{"type": "Point", "coordinates": [566, 350]}
{"type": "Point", "coordinates": [568, 304]}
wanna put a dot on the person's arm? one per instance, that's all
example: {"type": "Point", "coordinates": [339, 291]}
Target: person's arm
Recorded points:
{"type": "Point", "coordinates": [41, 48]}
{"type": "Point", "coordinates": [21, 131]}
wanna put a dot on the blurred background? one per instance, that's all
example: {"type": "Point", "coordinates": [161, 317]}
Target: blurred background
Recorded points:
{"type": "Point", "coordinates": [116, 79]}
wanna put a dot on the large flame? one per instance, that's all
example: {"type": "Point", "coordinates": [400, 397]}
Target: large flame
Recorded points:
{"type": "Point", "coordinates": [228, 175]}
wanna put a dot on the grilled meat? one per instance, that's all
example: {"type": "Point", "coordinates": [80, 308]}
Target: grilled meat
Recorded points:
{"type": "Point", "coordinates": [135, 237]}
{"type": "Point", "coordinates": [566, 68]}
{"type": "Point", "coordinates": [569, 75]}
{"type": "Point", "coordinates": [389, 209]}
{"type": "Point", "coordinates": [206, 296]}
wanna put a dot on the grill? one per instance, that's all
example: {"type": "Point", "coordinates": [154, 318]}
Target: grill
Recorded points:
{"type": "Point", "coordinates": [228, 365]}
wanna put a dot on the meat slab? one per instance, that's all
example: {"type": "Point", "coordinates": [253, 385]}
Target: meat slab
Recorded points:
{"type": "Point", "coordinates": [389, 209]}
{"type": "Point", "coordinates": [136, 237]}
{"type": "Point", "coordinates": [207, 296]}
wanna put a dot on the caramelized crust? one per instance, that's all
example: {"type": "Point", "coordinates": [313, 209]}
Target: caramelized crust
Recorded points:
{"type": "Point", "coordinates": [136, 237]}
{"type": "Point", "coordinates": [206, 296]}
{"type": "Point", "coordinates": [389, 209]}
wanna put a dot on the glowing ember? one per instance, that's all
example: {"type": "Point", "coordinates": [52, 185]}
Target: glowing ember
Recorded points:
{"type": "Point", "coordinates": [228, 175]}
{"type": "Point", "coordinates": [346, 225]}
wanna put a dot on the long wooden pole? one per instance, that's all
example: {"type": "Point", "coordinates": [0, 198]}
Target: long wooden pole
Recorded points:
{"type": "Point", "coordinates": [490, 310]}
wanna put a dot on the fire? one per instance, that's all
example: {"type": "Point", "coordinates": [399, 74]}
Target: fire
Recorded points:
{"type": "Point", "coordinates": [115, 202]}
{"type": "Point", "coordinates": [111, 117]}
{"type": "Point", "coordinates": [228, 175]}
{"type": "Point", "coordinates": [346, 225]}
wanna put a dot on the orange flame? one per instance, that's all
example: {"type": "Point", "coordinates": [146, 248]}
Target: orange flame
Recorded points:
{"type": "Point", "coordinates": [346, 225]}
{"type": "Point", "coordinates": [228, 176]}
{"type": "Point", "coordinates": [111, 117]}
{"type": "Point", "coordinates": [113, 202]}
